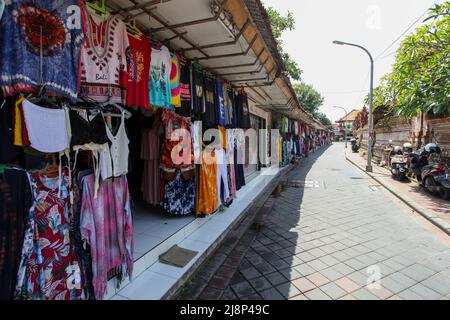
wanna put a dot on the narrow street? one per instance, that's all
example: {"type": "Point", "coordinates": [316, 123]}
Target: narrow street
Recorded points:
{"type": "Point", "coordinates": [332, 231]}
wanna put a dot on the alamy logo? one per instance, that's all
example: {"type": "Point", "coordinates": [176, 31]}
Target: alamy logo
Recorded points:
{"type": "Point", "coordinates": [374, 278]}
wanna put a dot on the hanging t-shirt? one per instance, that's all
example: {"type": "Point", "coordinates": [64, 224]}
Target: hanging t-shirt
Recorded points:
{"type": "Point", "coordinates": [228, 105]}
{"type": "Point", "coordinates": [198, 93]}
{"type": "Point", "coordinates": [62, 37]}
{"type": "Point", "coordinates": [220, 104]}
{"type": "Point", "coordinates": [185, 88]}
{"type": "Point", "coordinates": [138, 72]}
{"type": "Point", "coordinates": [175, 80]}
{"type": "Point", "coordinates": [103, 59]}
{"type": "Point", "coordinates": [284, 124]}
{"type": "Point", "coordinates": [160, 68]}
{"type": "Point", "coordinates": [244, 111]}
{"type": "Point", "coordinates": [210, 117]}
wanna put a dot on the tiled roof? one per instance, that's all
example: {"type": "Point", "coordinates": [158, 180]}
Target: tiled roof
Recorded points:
{"type": "Point", "coordinates": [351, 116]}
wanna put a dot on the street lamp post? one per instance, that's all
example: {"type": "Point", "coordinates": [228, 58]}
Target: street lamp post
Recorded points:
{"type": "Point", "coordinates": [345, 127]}
{"type": "Point", "coordinates": [369, 146]}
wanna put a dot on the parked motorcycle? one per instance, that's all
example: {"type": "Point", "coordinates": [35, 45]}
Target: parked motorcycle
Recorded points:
{"type": "Point", "coordinates": [355, 147]}
{"type": "Point", "coordinates": [399, 164]}
{"type": "Point", "coordinates": [434, 177]}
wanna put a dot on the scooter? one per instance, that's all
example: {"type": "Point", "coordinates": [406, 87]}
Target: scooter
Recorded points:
{"type": "Point", "coordinates": [434, 177]}
{"type": "Point", "coordinates": [399, 164]}
{"type": "Point", "coordinates": [355, 146]}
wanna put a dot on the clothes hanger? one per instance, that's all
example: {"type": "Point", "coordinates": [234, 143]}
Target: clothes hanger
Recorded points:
{"type": "Point", "coordinates": [99, 10]}
{"type": "Point", "coordinates": [133, 30]}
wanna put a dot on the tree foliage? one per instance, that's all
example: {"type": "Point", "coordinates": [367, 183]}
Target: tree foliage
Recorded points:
{"type": "Point", "coordinates": [420, 77]}
{"type": "Point", "coordinates": [280, 24]}
{"type": "Point", "coordinates": [322, 117]}
{"type": "Point", "coordinates": [310, 100]}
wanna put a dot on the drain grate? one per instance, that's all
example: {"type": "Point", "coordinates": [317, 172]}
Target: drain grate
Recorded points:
{"type": "Point", "coordinates": [304, 183]}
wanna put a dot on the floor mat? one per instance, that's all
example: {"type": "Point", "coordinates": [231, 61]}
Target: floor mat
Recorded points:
{"type": "Point", "coordinates": [177, 256]}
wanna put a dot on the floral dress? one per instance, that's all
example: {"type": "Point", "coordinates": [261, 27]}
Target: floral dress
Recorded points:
{"type": "Point", "coordinates": [52, 270]}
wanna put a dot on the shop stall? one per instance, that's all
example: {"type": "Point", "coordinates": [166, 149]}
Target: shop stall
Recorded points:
{"type": "Point", "coordinates": [103, 111]}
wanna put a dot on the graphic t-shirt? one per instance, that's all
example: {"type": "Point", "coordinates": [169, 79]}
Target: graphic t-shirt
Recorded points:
{"type": "Point", "coordinates": [160, 68]}
{"type": "Point", "coordinates": [138, 72]}
{"type": "Point", "coordinates": [62, 37]}
{"type": "Point", "coordinates": [103, 59]}
{"type": "Point", "coordinates": [175, 80]}
{"type": "Point", "coordinates": [185, 88]}
{"type": "Point", "coordinates": [198, 91]}
{"type": "Point", "coordinates": [220, 104]}
{"type": "Point", "coordinates": [210, 115]}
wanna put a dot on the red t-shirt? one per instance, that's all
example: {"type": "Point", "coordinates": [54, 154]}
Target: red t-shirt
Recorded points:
{"type": "Point", "coordinates": [138, 72]}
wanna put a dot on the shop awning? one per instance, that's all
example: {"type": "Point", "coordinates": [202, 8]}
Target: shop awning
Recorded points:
{"type": "Point", "coordinates": [229, 38]}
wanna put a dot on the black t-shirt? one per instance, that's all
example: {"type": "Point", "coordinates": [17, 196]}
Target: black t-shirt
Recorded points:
{"type": "Point", "coordinates": [185, 88]}
{"type": "Point", "coordinates": [244, 111]}
{"type": "Point", "coordinates": [210, 116]}
{"type": "Point", "coordinates": [198, 94]}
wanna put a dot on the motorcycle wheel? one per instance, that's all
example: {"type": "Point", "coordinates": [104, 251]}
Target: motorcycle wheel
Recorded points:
{"type": "Point", "coordinates": [429, 184]}
{"type": "Point", "coordinates": [444, 193]}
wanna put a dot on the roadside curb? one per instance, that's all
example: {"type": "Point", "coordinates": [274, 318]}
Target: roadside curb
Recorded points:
{"type": "Point", "coordinates": [410, 203]}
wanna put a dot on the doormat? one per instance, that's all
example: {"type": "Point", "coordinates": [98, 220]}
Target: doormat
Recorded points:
{"type": "Point", "coordinates": [177, 256]}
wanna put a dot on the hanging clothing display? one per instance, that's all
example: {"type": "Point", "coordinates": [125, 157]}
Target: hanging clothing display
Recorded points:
{"type": "Point", "coordinates": [210, 116]}
{"type": "Point", "coordinates": [160, 69]}
{"type": "Point", "coordinates": [208, 198]}
{"type": "Point", "coordinates": [106, 225]}
{"type": "Point", "coordinates": [15, 202]}
{"type": "Point", "coordinates": [223, 192]}
{"type": "Point", "coordinates": [244, 111]}
{"type": "Point", "coordinates": [185, 88]}
{"type": "Point", "coordinates": [103, 58]}
{"type": "Point", "coordinates": [20, 51]}
{"type": "Point", "coordinates": [185, 157]}
{"type": "Point", "coordinates": [198, 100]}
{"type": "Point", "coordinates": [138, 71]}
{"type": "Point", "coordinates": [85, 131]}
{"type": "Point", "coordinates": [117, 150]}
{"type": "Point", "coordinates": [228, 105]}
{"type": "Point", "coordinates": [220, 104]}
{"type": "Point", "coordinates": [150, 153]}
{"type": "Point", "coordinates": [175, 80]}
{"type": "Point", "coordinates": [52, 271]}
{"type": "Point", "coordinates": [179, 195]}
{"type": "Point", "coordinates": [47, 128]}
{"type": "Point", "coordinates": [7, 150]}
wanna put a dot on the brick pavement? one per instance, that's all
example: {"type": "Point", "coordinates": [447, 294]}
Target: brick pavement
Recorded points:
{"type": "Point", "coordinates": [334, 233]}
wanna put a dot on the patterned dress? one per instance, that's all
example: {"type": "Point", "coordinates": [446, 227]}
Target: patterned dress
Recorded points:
{"type": "Point", "coordinates": [52, 271]}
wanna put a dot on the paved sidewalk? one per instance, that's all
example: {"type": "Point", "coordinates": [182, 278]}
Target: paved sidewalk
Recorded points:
{"type": "Point", "coordinates": [335, 233]}
{"type": "Point", "coordinates": [432, 207]}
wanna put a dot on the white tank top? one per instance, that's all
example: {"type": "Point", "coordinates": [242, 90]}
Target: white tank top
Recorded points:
{"type": "Point", "coordinates": [114, 158]}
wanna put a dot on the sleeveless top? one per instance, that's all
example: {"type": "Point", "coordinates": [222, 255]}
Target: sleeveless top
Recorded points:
{"type": "Point", "coordinates": [87, 131]}
{"type": "Point", "coordinates": [114, 159]}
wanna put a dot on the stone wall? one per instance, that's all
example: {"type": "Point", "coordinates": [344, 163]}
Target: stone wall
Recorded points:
{"type": "Point", "coordinates": [401, 130]}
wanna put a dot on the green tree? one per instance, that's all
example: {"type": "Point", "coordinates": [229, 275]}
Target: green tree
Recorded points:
{"type": "Point", "coordinates": [310, 100]}
{"type": "Point", "coordinates": [420, 77]}
{"type": "Point", "coordinates": [322, 117]}
{"type": "Point", "coordinates": [280, 24]}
